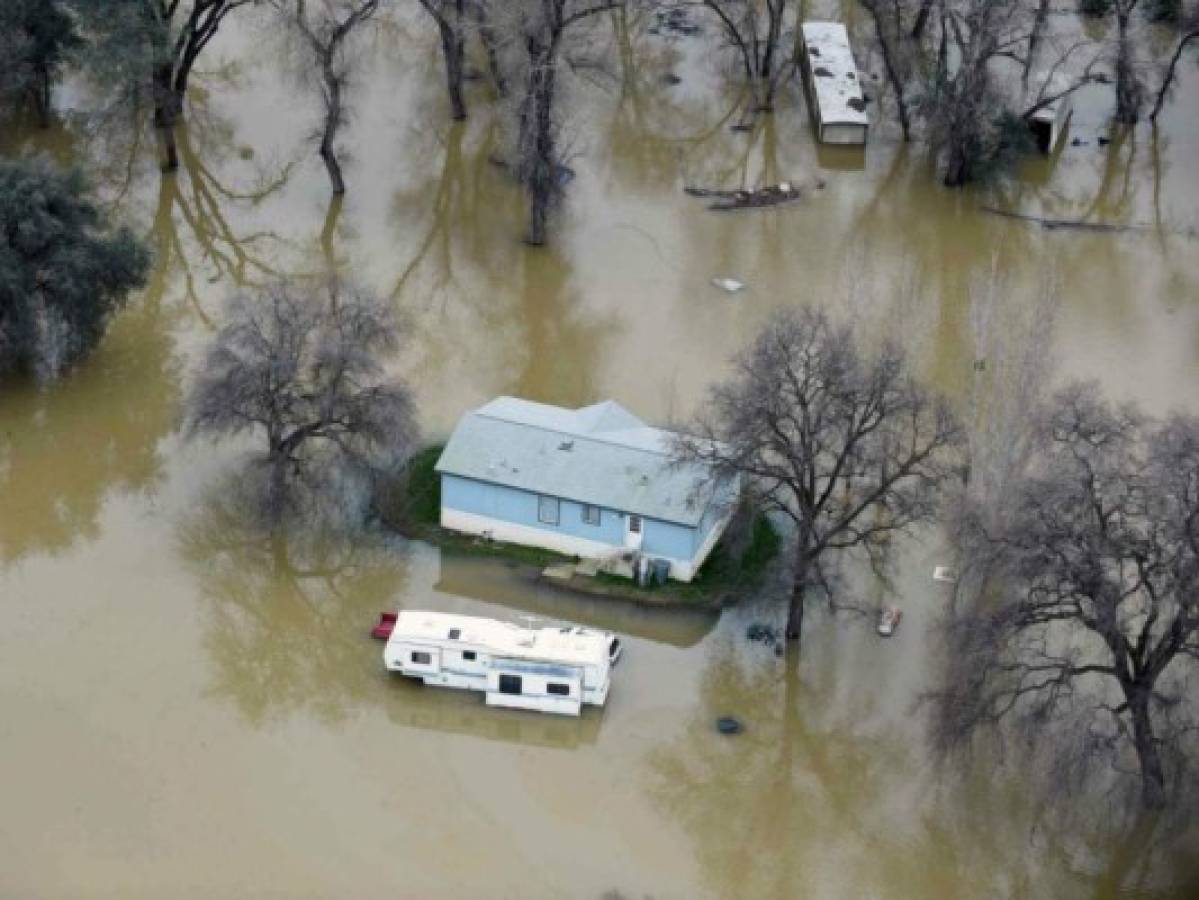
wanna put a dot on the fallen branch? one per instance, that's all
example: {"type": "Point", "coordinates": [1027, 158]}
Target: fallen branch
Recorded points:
{"type": "Point", "coordinates": [1053, 224]}
{"type": "Point", "coordinates": [771, 195]}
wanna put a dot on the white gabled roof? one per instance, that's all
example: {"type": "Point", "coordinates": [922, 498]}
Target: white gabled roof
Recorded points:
{"type": "Point", "coordinates": [601, 455]}
{"type": "Point", "coordinates": [567, 645]}
{"type": "Point", "coordinates": [834, 74]}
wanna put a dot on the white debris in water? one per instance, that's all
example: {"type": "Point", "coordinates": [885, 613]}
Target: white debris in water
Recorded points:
{"type": "Point", "coordinates": [944, 573]}
{"type": "Point", "coordinates": [728, 285]}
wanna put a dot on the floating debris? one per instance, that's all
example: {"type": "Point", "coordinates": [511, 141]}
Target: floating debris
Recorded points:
{"type": "Point", "coordinates": [888, 620]}
{"type": "Point", "coordinates": [728, 285]}
{"type": "Point", "coordinates": [763, 634]}
{"type": "Point", "coordinates": [770, 195]}
{"type": "Point", "coordinates": [729, 725]}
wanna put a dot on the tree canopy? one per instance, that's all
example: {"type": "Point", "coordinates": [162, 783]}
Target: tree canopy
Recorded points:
{"type": "Point", "coordinates": [64, 269]}
{"type": "Point", "coordinates": [1082, 630]}
{"type": "Point", "coordinates": [847, 446]}
{"type": "Point", "coordinates": [302, 367]}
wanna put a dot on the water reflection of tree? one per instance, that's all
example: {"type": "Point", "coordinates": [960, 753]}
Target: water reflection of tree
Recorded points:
{"type": "Point", "coordinates": [518, 300]}
{"type": "Point", "coordinates": [286, 615]}
{"type": "Point", "coordinates": [768, 809]}
{"type": "Point", "coordinates": [64, 450]}
{"type": "Point", "coordinates": [194, 232]}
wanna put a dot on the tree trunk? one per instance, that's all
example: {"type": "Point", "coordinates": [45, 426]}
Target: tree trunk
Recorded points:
{"type": "Point", "coordinates": [901, 103]}
{"type": "Point", "coordinates": [957, 166]}
{"type": "Point", "coordinates": [1168, 78]}
{"type": "Point", "coordinates": [799, 584]}
{"type": "Point", "coordinates": [41, 98]}
{"type": "Point", "coordinates": [453, 51]}
{"type": "Point", "coordinates": [540, 169]}
{"type": "Point", "coordinates": [1153, 778]}
{"type": "Point", "coordinates": [1128, 89]}
{"type": "Point", "coordinates": [488, 39]}
{"type": "Point", "coordinates": [332, 121]}
{"type": "Point", "coordinates": [168, 106]}
{"type": "Point", "coordinates": [918, 26]}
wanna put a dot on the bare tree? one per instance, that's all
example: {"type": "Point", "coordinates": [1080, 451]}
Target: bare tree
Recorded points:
{"type": "Point", "coordinates": [161, 39]}
{"type": "Point", "coordinates": [450, 18]}
{"type": "Point", "coordinates": [302, 367]}
{"type": "Point", "coordinates": [755, 30]}
{"type": "Point", "coordinates": [1085, 624]}
{"type": "Point", "coordinates": [897, 44]}
{"type": "Point", "coordinates": [850, 449]}
{"type": "Point", "coordinates": [1130, 93]}
{"type": "Point", "coordinates": [538, 28]}
{"type": "Point", "coordinates": [1188, 31]}
{"type": "Point", "coordinates": [325, 31]}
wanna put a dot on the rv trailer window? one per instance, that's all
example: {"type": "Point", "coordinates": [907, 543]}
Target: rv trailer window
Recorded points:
{"type": "Point", "coordinates": [591, 514]}
{"type": "Point", "coordinates": [562, 689]}
{"type": "Point", "coordinates": [468, 654]}
{"type": "Point", "coordinates": [510, 684]}
{"type": "Point", "coordinates": [421, 659]}
{"type": "Point", "coordinates": [547, 510]}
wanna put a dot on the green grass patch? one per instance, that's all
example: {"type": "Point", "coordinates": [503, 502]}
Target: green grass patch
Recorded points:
{"type": "Point", "coordinates": [728, 572]}
{"type": "Point", "coordinates": [412, 506]}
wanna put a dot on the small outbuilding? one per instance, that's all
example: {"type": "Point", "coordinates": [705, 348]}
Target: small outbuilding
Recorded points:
{"type": "Point", "coordinates": [834, 90]}
{"type": "Point", "coordinates": [595, 482]}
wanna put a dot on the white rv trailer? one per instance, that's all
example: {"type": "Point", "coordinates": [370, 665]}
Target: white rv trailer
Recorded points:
{"type": "Point", "coordinates": [833, 89]}
{"type": "Point", "coordinates": [554, 669]}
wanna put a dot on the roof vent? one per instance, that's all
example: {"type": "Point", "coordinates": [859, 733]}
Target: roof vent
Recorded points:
{"type": "Point", "coordinates": [567, 446]}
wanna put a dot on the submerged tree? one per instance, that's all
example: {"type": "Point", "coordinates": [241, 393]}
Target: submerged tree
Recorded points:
{"type": "Point", "coordinates": [36, 39]}
{"type": "Point", "coordinates": [450, 18]}
{"type": "Point", "coordinates": [302, 368]}
{"type": "Point", "coordinates": [154, 44]}
{"type": "Point", "coordinates": [325, 30]}
{"type": "Point", "coordinates": [755, 30]}
{"type": "Point", "coordinates": [64, 269]}
{"type": "Point", "coordinates": [538, 28]}
{"type": "Point", "coordinates": [1187, 23]}
{"type": "Point", "coordinates": [848, 447]}
{"type": "Point", "coordinates": [1085, 627]}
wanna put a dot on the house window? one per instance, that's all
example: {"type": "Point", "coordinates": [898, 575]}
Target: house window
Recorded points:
{"type": "Point", "coordinates": [421, 659]}
{"type": "Point", "coordinates": [634, 524]}
{"type": "Point", "coordinates": [563, 690]}
{"type": "Point", "coordinates": [510, 684]}
{"type": "Point", "coordinates": [455, 633]}
{"type": "Point", "coordinates": [547, 510]}
{"type": "Point", "coordinates": [469, 655]}
{"type": "Point", "coordinates": [591, 514]}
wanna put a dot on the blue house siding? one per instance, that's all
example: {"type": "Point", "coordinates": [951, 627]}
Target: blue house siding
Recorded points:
{"type": "Point", "coordinates": [517, 507]}
{"type": "Point", "coordinates": [667, 539]}
{"type": "Point", "coordinates": [520, 508]}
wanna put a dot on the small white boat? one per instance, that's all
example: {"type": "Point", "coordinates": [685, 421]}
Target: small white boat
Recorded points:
{"type": "Point", "coordinates": [553, 669]}
{"type": "Point", "coordinates": [888, 620]}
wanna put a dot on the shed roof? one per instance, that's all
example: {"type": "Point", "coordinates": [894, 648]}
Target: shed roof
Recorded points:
{"type": "Point", "coordinates": [602, 455]}
{"type": "Point", "coordinates": [834, 74]}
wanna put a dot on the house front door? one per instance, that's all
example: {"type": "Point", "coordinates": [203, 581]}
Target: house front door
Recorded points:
{"type": "Point", "coordinates": [634, 528]}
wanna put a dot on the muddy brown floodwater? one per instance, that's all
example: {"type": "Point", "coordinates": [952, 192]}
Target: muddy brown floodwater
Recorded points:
{"type": "Point", "coordinates": [188, 709]}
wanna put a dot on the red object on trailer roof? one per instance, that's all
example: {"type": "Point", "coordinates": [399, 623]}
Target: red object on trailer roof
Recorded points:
{"type": "Point", "coordinates": [387, 623]}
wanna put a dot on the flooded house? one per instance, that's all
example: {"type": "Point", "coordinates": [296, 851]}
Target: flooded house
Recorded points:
{"type": "Point", "coordinates": [834, 90]}
{"type": "Point", "coordinates": [596, 483]}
